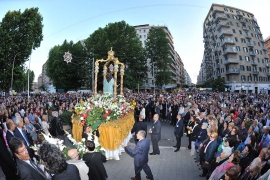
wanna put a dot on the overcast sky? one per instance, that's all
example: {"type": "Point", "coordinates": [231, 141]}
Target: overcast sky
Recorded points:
{"type": "Point", "coordinates": [76, 20]}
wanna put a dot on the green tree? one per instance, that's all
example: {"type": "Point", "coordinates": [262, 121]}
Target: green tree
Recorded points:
{"type": "Point", "coordinates": [157, 51]}
{"type": "Point", "coordinates": [22, 83]}
{"type": "Point", "coordinates": [127, 47]}
{"type": "Point", "coordinates": [19, 32]}
{"type": "Point", "coordinates": [67, 75]}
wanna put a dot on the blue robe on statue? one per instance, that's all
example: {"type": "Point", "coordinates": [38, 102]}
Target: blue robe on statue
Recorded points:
{"type": "Point", "coordinates": [108, 86]}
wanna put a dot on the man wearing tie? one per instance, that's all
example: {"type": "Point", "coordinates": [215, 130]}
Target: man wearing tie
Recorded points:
{"type": "Point", "coordinates": [27, 168]}
{"type": "Point", "coordinates": [140, 155]}
{"type": "Point", "coordinates": [178, 132]}
{"type": "Point", "coordinates": [20, 132]}
{"type": "Point", "coordinates": [140, 125]}
{"type": "Point", "coordinates": [155, 132]}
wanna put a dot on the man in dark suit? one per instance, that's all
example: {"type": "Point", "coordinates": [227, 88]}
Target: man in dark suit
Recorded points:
{"type": "Point", "coordinates": [155, 132]}
{"type": "Point", "coordinates": [20, 132]}
{"type": "Point", "coordinates": [140, 125]}
{"type": "Point", "coordinates": [7, 164]}
{"type": "Point", "coordinates": [178, 132]}
{"type": "Point", "coordinates": [10, 132]}
{"type": "Point", "coordinates": [27, 168]}
{"type": "Point", "coordinates": [140, 155]}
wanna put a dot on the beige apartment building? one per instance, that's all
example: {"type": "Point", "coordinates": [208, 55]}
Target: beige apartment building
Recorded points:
{"type": "Point", "coordinates": [235, 50]}
{"type": "Point", "coordinates": [176, 67]}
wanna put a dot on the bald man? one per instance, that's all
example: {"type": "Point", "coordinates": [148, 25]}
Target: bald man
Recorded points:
{"type": "Point", "coordinates": [74, 159]}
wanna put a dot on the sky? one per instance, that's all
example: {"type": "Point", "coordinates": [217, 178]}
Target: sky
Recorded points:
{"type": "Point", "coordinates": [76, 20]}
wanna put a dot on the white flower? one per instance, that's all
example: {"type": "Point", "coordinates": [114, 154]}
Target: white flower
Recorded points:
{"type": "Point", "coordinates": [83, 139]}
{"type": "Point", "coordinates": [81, 118]}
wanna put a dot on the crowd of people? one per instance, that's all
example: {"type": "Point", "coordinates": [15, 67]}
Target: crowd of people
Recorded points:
{"type": "Point", "coordinates": [228, 133]}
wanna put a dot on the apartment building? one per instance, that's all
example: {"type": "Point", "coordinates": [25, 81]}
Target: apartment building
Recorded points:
{"type": "Point", "coordinates": [176, 67]}
{"type": "Point", "coordinates": [187, 78]}
{"type": "Point", "coordinates": [267, 44]}
{"type": "Point", "coordinates": [234, 49]}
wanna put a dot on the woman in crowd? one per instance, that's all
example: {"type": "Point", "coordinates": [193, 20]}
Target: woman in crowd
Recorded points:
{"type": "Point", "coordinates": [232, 173]}
{"type": "Point", "coordinates": [55, 162]}
{"type": "Point", "coordinates": [253, 171]}
{"type": "Point", "coordinates": [209, 153]}
{"type": "Point", "coordinates": [195, 130]}
{"type": "Point", "coordinates": [86, 131]}
{"type": "Point", "coordinates": [95, 160]}
{"type": "Point", "coordinates": [246, 157]}
{"type": "Point", "coordinates": [190, 126]}
{"type": "Point", "coordinates": [225, 130]}
{"type": "Point", "coordinates": [200, 137]}
{"type": "Point", "coordinates": [233, 160]}
{"type": "Point", "coordinates": [44, 124]}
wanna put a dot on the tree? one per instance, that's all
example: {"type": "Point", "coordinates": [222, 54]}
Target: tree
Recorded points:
{"type": "Point", "coordinates": [67, 75]}
{"type": "Point", "coordinates": [157, 51]}
{"type": "Point", "coordinates": [22, 83]}
{"type": "Point", "coordinates": [127, 47]}
{"type": "Point", "coordinates": [216, 84]}
{"type": "Point", "coordinates": [19, 32]}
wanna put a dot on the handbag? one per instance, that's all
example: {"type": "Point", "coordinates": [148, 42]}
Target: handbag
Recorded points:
{"type": "Point", "coordinates": [205, 166]}
{"type": "Point", "coordinates": [197, 143]}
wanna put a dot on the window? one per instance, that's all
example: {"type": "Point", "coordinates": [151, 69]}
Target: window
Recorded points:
{"type": "Point", "coordinates": [256, 51]}
{"type": "Point", "coordinates": [256, 36]}
{"type": "Point", "coordinates": [245, 49]}
{"type": "Point", "coordinates": [258, 60]}
{"type": "Point", "coordinates": [242, 68]}
{"type": "Point", "coordinates": [225, 9]}
{"type": "Point", "coordinates": [237, 12]}
{"type": "Point", "coordinates": [249, 27]}
{"type": "Point", "coordinates": [240, 57]}
{"type": "Point", "coordinates": [243, 78]}
{"type": "Point", "coordinates": [231, 10]}
{"type": "Point", "coordinates": [237, 24]}
{"type": "Point", "coordinates": [240, 31]}
{"type": "Point", "coordinates": [231, 23]}
{"type": "Point", "coordinates": [233, 30]}
{"type": "Point", "coordinates": [251, 34]}
{"type": "Point", "coordinates": [259, 44]}
{"type": "Point", "coordinates": [243, 40]}
{"type": "Point", "coordinates": [234, 17]}
{"type": "Point", "coordinates": [254, 29]}
{"type": "Point", "coordinates": [260, 69]}
{"type": "Point", "coordinates": [249, 78]}
{"type": "Point", "coordinates": [236, 40]}
{"type": "Point", "coordinates": [228, 15]}
{"type": "Point", "coordinates": [140, 36]}
{"type": "Point", "coordinates": [247, 58]}
{"type": "Point", "coordinates": [144, 36]}
{"type": "Point", "coordinates": [260, 52]}
{"type": "Point", "coordinates": [262, 60]}
{"type": "Point", "coordinates": [237, 48]}
{"type": "Point", "coordinates": [144, 30]}
{"type": "Point", "coordinates": [247, 15]}
{"type": "Point", "coordinates": [243, 14]}
{"type": "Point", "coordinates": [254, 43]}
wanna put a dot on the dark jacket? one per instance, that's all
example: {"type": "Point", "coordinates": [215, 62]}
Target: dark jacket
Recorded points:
{"type": "Point", "coordinates": [178, 130]}
{"type": "Point", "coordinates": [27, 172]}
{"type": "Point", "coordinates": [140, 152]}
{"type": "Point", "coordinates": [156, 131]}
{"type": "Point", "coordinates": [19, 135]}
{"type": "Point", "coordinates": [140, 125]}
{"type": "Point", "coordinates": [56, 128]}
{"type": "Point", "coordinates": [71, 172]}
{"type": "Point", "coordinates": [210, 151]}
{"type": "Point", "coordinates": [9, 136]}
{"type": "Point", "coordinates": [195, 131]}
{"type": "Point", "coordinates": [95, 162]}
{"type": "Point", "coordinates": [202, 135]}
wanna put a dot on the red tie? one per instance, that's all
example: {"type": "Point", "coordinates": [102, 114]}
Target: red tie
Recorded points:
{"type": "Point", "coordinates": [261, 145]}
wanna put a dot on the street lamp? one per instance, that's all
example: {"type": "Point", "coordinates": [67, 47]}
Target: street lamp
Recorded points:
{"type": "Point", "coordinates": [11, 83]}
{"type": "Point", "coordinates": [242, 87]}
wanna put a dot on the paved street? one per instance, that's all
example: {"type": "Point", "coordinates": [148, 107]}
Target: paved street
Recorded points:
{"type": "Point", "coordinates": [169, 165]}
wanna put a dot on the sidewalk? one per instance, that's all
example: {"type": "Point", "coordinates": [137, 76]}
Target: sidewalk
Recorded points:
{"type": "Point", "coordinates": [169, 165]}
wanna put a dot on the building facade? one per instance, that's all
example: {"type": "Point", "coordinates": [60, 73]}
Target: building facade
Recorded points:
{"type": "Point", "coordinates": [267, 45]}
{"type": "Point", "coordinates": [234, 50]}
{"type": "Point", "coordinates": [187, 78]}
{"type": "Point", "coordinates": [176, 67]}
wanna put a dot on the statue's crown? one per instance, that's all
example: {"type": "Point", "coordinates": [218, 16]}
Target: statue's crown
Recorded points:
{"type": "Point", "coordinates": [111, 52]}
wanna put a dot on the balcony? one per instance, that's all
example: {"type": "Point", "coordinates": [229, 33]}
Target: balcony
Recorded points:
{"type": "Point", "coordinates": [209, 28]}
{"type": "Point", "coordinates": [230, 61]}
{"type": "Point", "coordinates": [218, 74]}
{"type": "Point", "coordinates": [217, 65]}
{"type": "Point", "coordinates": [220, 16]}
{"type": "Point", "coordinates": [267, 65]}
{"type": "Point", "coordinates": [239, 14]}
{"type": "Point", "coordinates": [216, 58]}
{"type": "Point", "coordinates": [212, 43]}
{"type": "Point", "coordinates": [252, 53]}
{"type": "Point", "coordinates": [248, 37]}
{"type": "Point", "coordinates": [233, 71]}
{"type": "Point", "coordinates": [261, 39]}
{"type": "Point", "coordinates": [215, 50]}
{"type": "Point", "coordinates": [217, 11]}
{"type": "Point", "coordinates": [267, 73]}
{"type": "Point", "coordinates": [229, 51]}
{"type": "Point", "coordinates": [227, 41]}
{"type": "Point", "coordinates": [255, 72]}
{"type": "Point", "coordinates": [253, 63]}
{"type": "Point", "coordinates": [250, 44]}
{"type": "Point", "coordinates": [205, 40]}
{"type": "Point", "coordinates": [245, 28]}
{"type": "Point", "coordinates": [243, 21]}
{"type": "Point", "coordinates": [222, 24]}
{"type": "Point", "coordinates": [266, 56]}
{"type": "Point", "coordinates": [264, 48]}
{"type": "Point", "coordinates": [227, 32]}
{"type": "Point", "coordinates": [260, 33]}
{"type": "Point", "coordinates": [211, 35]}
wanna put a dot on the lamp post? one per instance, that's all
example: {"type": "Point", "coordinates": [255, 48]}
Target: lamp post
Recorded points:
{"type": "Point", "coordinates": [11, 83]}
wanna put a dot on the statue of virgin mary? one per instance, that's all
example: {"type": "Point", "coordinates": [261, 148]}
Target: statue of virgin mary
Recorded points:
{"type": "Point", "coordinates": [108, 83]}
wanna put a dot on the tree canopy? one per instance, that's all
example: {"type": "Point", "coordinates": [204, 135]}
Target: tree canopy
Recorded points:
{"type": "Point", "coordinates": [67, 75]}
{"type": "Point", "coordinates": [158, 52]}
{"type": "Point", "coordinates": [127, 47]}
{"type": "Point", "coordinates": [19, 32]}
